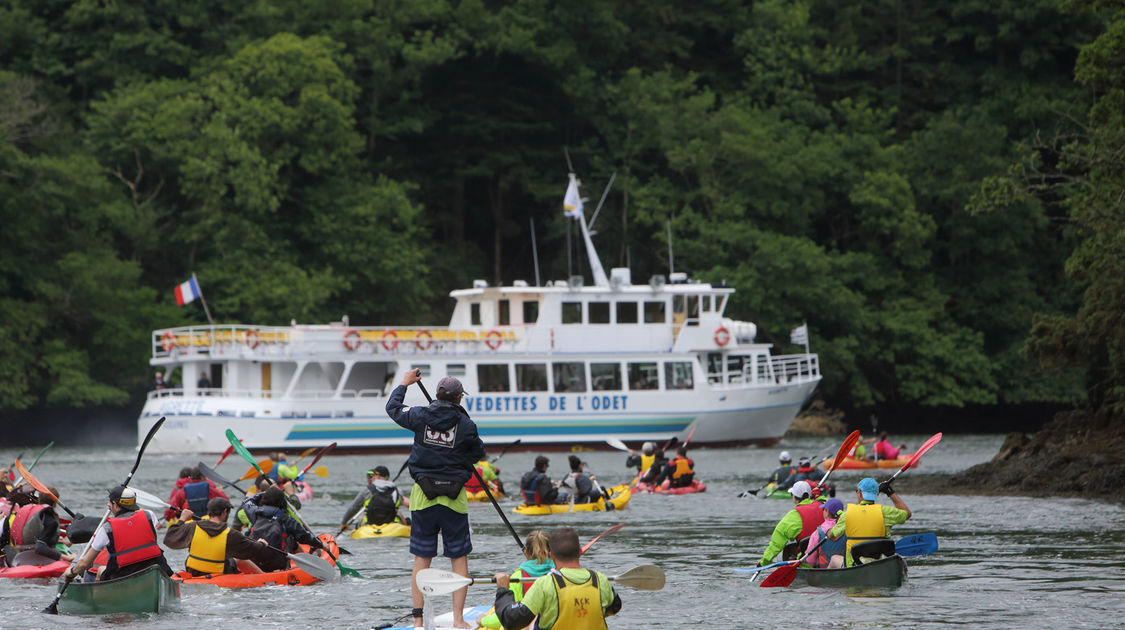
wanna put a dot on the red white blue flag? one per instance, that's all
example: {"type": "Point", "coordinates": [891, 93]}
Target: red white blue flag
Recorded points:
{"type": "Point", "coordinates": [187, 292]}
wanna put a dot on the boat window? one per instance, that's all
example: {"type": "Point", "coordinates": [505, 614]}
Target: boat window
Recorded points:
{"type": "Point", "coordinates": [493, 377]}
{"type": "Point", "coordinates": [626, 312]}
{"type": "Point", "coordinates": [531, 377]}
{"type": "Point", "coordinates": [530, 311]}
{"type": "Point", "coordinates": [734, 368]}
{"type": "Point", "coordinates": [643, 376]}
{"type": "Point", "coordinates": [569, 377]}
{"type": "Point", "coordinates": [505, 313]}
{"type": "Point", "coordinates": [598, 312]}
{"type": "Point", "coordinates": [605, 376]}
{"type": "Point", "coordinates": [474, 313]}
{"type": "Point", "coordinates": [714, 367]}
{"type": "Point", "coordinates": [572, 312]}
{"type": "Point", "coordinates": [677, 375]}
{"type": "Point", "coordinates": [707, 303]}
{"type": "Point", "coordinates": [456, 369]}
{"type": "Point", "coordinates": [693, 310]}
{"type": "Point", "coordinates": [654, 313]}
{"type": "Point", "coordinates": [679, 305]}
{"type": "Point", "coordinates": [424, 367]}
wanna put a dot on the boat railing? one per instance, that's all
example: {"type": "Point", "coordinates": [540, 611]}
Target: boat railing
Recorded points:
{"type": "Point", "coordinates": [305, 394]}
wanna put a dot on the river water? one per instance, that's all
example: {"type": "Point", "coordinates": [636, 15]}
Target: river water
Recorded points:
{"type": "Point", "coordinates": [1009, 562]}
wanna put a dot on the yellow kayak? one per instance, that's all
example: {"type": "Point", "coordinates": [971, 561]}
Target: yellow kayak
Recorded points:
{"type": "Point", "coordinates": [483, 496]}
{"type": "Point", "coordinates": [387, 530]}
{"type": "Point", "coordinates": [619, 497]}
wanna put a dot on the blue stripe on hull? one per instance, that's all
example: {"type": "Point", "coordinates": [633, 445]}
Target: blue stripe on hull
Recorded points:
{"type": "Point", "coordinates": [498, 429]}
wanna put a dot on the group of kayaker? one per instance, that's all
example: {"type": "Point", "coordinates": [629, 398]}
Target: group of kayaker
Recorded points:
{"type": "Point", "coordinates": [30, 526]}
{"type": "Point", "coordinates": [654, 469]}
{"type": "Point", "coordinates": [577, 486]}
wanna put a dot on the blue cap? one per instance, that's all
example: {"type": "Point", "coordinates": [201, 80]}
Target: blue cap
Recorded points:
{"type": "Point", "coordinates": [834, 507]}
{"type": "Point", "coordinates": [868, 488]}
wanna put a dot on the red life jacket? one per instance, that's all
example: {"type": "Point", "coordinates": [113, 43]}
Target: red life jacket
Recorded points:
{"type": "Point", "coordinates": [472, 485]}
{"type": "Point", "coordinates": [132, 539]}
{"type": "Point", "coordinates": [812, 515]}
{"type": "Point", "coordinates": [24, 514]}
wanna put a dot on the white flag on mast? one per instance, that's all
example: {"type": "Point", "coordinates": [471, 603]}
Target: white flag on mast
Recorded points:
{"type": "Point", "coordinates": [800, 335]}
{"type": "Point", "coordinates": [572, 203]}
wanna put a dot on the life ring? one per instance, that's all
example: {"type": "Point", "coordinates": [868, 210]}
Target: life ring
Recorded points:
{"type": "Point", "coordinates": [493, 339]}
{"type": "Point", "coordinates": [722, 336]}
{"type": "Point", "coordinates": [424, 339]}
{"type": "Point", "coordinates": [394, 340]}
{"type": "Point", "coordinates": [252, 339]}
{"type": "Point", "coordinates": [167, 341]}
{"type": "Point", "coordinates": [349, 343]}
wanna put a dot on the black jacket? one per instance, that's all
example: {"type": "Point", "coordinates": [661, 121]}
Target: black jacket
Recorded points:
{"type": "Point", "coordinates": [446, 444]}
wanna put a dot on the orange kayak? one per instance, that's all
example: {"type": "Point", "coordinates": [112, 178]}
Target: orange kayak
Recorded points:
{"type": "Point", "coordinates": [292, 576]}
{"type": "Point", "coordinates": [860, 464]}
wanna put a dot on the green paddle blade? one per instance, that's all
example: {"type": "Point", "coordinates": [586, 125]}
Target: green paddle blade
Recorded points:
{"type": "Point", "coordinates": [241, 450]}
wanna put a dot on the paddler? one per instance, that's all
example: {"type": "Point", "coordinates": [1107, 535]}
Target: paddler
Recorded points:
{"type": "Point", "coordinates": [582, 486]}
{"type": "Point", "coordinates": [867, 520]}
{"type": "Point", "coordinates": [193, 495]}
{"type": "Point", "coordinates": [569, 597]}
{"type": "Point", "coordinates": [830, 553]}
{"type": "Point", "coordinates": [379, 501]}
{"type": "Point", "coordinates": [34, 526]}
{"type": "Point", "coordinates": [806, 471]}
{"type": "Point", "coordinates": [537, 550]}
{"type": "Point", "coordinates": [537, 488]}
{"type": "Point", "coordinates": [643, 461]}
{"type": "Point", "coordinates": [653, 471]}
{"type": "Point", "coordinates": [270, 521]}
{"type": "Point", "coordinates": [212, 547]}
{"type": "Point", "coordinates": [490, 474]}
{"type": "Point", "coordinates": [680, 470]}
{"type": "Point", "coordinates": [279, 460]}
{"type": "Point", "coordinates": [446, 445]}
{"type": "Point", "coordinates": [129, 538]}
{"type": "Point", "coordinates": [797, 523]}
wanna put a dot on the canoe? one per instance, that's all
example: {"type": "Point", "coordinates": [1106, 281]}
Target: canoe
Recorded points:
{"type": "Point", "coordinates": [147, 591]}
{"type": "Point", "coordinates": [31, 571]}
{"type": "Point", "coordinates": [863, 464]}
{"type": "Point", "coordinates": [292, 576]}
{"type": "Point", "coordinates": [886, 572]}
{"type": "Point", "coordinates": [386, 530]}
{"type": "Point", "coordinates": [619, 497]}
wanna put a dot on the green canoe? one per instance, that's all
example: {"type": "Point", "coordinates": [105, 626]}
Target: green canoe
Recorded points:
{"type": "Point", "coordinates": [887, 572]}
{"type": "Point", "coordinates": [146, 591]}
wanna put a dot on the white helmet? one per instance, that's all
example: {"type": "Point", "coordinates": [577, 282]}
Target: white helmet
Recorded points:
{"type": "Point", "coordinates": [801, 489]}
{"type": "Point", "coordinates": [648, 448]}
{"type": "Point", "coordinates": [784, 458]}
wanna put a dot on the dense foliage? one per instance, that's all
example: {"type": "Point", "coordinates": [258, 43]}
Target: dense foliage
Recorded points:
{"type": "Point", "coordinates": [311, 159]}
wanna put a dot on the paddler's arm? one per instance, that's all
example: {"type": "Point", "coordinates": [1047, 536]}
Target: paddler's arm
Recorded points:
{"type": "Point", "coordinates": [179, 535]}
{"type": "Point", "coordinates": [787, 529]}
{"type": "Point", "coordinates": [354, 508]}
{"type": "Point", "coordinates": [511, 614]}
{"type": "Point", "coordinates": [87, 559]}
{"type": "Point", "coordinates": [396, 408]}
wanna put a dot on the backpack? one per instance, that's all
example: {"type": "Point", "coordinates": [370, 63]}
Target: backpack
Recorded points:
{"type": "Point", "coordinates": [382, 506]}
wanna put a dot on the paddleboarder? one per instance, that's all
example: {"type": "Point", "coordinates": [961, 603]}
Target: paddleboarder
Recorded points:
{"type": "Point", "coordinates": [446, 445]}
{"type": "Point", "coordinates": [866, 519]}
{"type": "Point", "coordinates": [130, 544]}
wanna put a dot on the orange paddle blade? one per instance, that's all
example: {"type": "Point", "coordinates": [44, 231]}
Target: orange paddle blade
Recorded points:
{"type": "Point", "coordinates": [266, 465]}
{"type": "Point", "coordinates": [35, 483]}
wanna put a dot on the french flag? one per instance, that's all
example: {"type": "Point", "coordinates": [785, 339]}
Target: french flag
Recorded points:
{"type": "Point", "coordinates": [188, 291]}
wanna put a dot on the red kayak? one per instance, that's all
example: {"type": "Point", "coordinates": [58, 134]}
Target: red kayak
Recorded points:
{"type": "Point", "coordinates": [53, 570]}
{"type": "Point", "coordinates": [665, 488]}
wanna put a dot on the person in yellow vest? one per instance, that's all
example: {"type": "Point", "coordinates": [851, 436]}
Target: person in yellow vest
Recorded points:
{"type": "Point", "coordinates": [643, 461]}
{"type": "Point", "coordinates": [867, 520]}
{"type": "Point", "coordinates": [212, 546]}
{"type": "Point", "coordinates": [568, 597]}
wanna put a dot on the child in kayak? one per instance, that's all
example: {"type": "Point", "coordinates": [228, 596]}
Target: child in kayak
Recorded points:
{"type": "Point", "coordinates": [538, 551]}
{"type": "Point", "coordinates": [830, 553]}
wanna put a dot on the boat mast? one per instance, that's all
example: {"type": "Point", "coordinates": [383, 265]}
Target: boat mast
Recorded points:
{"type": "Point", "coordinates": [574, 206]}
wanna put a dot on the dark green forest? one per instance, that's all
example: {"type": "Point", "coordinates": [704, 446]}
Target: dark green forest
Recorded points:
{"type": "Point", "coordinates": [935, 187]}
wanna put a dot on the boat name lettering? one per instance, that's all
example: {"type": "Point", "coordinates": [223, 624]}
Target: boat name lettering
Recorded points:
{"type": "Point", "coordinates": [178, 408]}
{"type": "Point", "coordinates": [580, 402]}
{"type": "Point", "coordinates": [779, 390]}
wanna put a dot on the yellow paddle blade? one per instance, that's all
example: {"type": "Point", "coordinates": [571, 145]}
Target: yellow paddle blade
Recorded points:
{"type": "Point", "coordinates": [320, 471]}
{"type": "Point", "coordinates": [266, 465]}
{"type": "Point", "coordinates": [305, 453]}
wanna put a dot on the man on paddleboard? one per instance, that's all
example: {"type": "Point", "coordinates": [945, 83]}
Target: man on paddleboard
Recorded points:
{"type": "Point", "coordinates": [446, 445]}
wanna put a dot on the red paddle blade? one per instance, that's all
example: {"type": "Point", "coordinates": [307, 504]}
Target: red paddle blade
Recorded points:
{"type": "Point", "coordinates": [783, 576]}
{"type": "Point", "coordinates": [318, 456]}
{"type": "Point", "coordinates": [595, 539]}
{"type": "Point", "coordinates": [226, 453]}
{"type": "Point", "coordinates": [930, 443]}
{"type": "Point", "coordinates": [845, 448]}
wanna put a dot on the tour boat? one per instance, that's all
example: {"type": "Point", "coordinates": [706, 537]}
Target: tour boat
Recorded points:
{"type": "Point", "coordinates": [559, 365]}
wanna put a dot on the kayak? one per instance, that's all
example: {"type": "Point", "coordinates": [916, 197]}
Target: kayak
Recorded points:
{"type": "Point", "coordinates": [886, 572]}
{"type": "Point", "coordinates": [481, 495]}
{"type": "Point", "coordinates": [472, 616]}
{"type": "Point", "coordinates": [147, 591]}
{"type": "Point", "coordinates": [292, 576]}
{"type": "Point", "coordinates": [31, 571]}
{"type": "Point", "coordinates": [863, 464]}
{"type": "Point", "coordinates": [619, 498]}
{"type": "Point", "coordinates": [386, 530]}
{"type": "Point", "coordinates": [304, 491]}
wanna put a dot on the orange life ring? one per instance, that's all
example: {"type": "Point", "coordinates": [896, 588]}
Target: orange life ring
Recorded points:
{"type": "Point", "coordinates": [424, 339]}
{"type": "Point", "coordinates": [167, 341]}
{"type": "Point", "coordinates": [394, 340]}
{"type": "Point", "coordinates": [493, 339]}
{"type": "Point", "coordinates": [722, 336]}
{"type": "Point", "coordinates": [349, 343]}
{"type": "Point", "coordinates": [252, 339]}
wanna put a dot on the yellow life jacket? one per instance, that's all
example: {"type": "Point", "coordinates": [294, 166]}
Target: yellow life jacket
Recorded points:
{"type": "Point", "coordinates": [862, 523]}
{"type": "Point", "coordinates": [207, 553]}
{"type": "Point", "coordinates": [580, 603]}
{"type": "Point", "coordinates": [683, 467]}
{"type": "Point", "coordinates": [646, 462]}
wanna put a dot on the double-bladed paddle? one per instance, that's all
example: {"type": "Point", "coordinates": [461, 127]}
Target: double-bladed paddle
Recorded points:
{"type": "Point", "coordinates": [53, 607]}
{"type": "Point", "coordinates": [617, 444]}
{"type": "Point", "coordinates": [217, 478]}
{"type": "Point", "coordinates": [35, 461]}
{"type": "Point", "coordinates": [647, 577]}
{"type": "Point", "coordinates": [595, 539]}
{"type": "Point", "coordinates": [25, 473]}
{"type": "Point", "coordinates": [927, 445]}
{"type": "Point", "coordinates": [845, 448]}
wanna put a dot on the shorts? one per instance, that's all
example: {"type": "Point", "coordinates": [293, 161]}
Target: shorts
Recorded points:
{"type": "Point", "coordinates": [453, 526]}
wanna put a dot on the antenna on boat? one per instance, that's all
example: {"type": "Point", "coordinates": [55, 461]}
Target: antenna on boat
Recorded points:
{"type": "Point", "coordinates": [534, 250]}
{"type": "Point", "coordinates": [605, 193]}
{"type": "Point", "coordinates": [671, 260]}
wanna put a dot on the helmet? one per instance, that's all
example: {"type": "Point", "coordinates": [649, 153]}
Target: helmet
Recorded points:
{"type": "Point", "coordinates": [804, 462]}
{"type": "Point", "coordinates": [648, 448]}
{"type": "Point", "coordinates": [784, 457]}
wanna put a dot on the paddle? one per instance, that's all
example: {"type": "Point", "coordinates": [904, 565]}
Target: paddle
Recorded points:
{"type": "Point", "coordinates": [149, 500]}
{"type": "Point", "coordinates": [747, 493]}
{"type": "Point", "coordinates": [33, 463]}
{"type": "Point", "coordinates": [690, 433]}
{"type": "Point", "coordinates": [647, 577]}
{"type": "Point", "coordinates": [26, 475]}
{"type": "Point", "coordinates": [245, 454]}
{"type": "Point", "coordinates": [258, 468]}
{"type": "Point", "coordinates": [226, 454]}
{"type": "Point", "coordinates": [217, 478]}
{"type": "Point", "coordinates": [476, 474]}
{"type": "Point", "coordinates": [399, 474]}
{"type": "Point", "coordinates": [845, 448]}
{"type": "Point", "coordinates": [927, 445]}
{"type": "Point", "coordinates": [320, 472]}
{"type": "Point", "coordinates": [617, 444]}
{"type": "Point", "coordinates": [787, 573]}
{"type": "Point", "coordinates": [497, 458]}
{"type": "Point", "coordinates": [916, 545]}
{"type": "Point", "coordinates": [305, 453]}
{"type": "Point", "coordinates": [53, 607]}
{"type": "Point", "coordinates": [595, 539]}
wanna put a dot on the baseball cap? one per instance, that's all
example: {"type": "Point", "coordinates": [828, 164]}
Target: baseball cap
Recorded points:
{"type": "Point", "coordinates": [801, 489]}
{"type": "Point", "coordinates": [450, 386]}
{"type": "Point", "coordinates": [784, 457]}
{"type": "Point", "coordinates": [868, 488]}
{"type": "Point", "coordinates": [124, 497]}
{"type": "Point", "coordinates": [379, 470]}
{"type": "Point", "coordinates": [834, 507]}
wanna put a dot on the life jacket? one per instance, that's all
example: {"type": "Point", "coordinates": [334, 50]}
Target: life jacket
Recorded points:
{"type": "Point", "coordinates": [580, 603]}
{"type": "Point", "coordinates": [207, 553]}
{"type": "Point", "coordinates": [863, 522]}
{"type": "Point", "coordinates": [646, 462]}
{"type": "Point", "coordinates": [531, 487]}
{"type": "Point", "coordinates": [25, 526]}
{"type": "Point", "coordinates": [268, 525]}
{"type": "Point", "coordinates": [683, 466]}
{"type": "Point", "coordinates": [132, 539]}
{"type": "Point", "coordinates": [197, 494]}
{"type": "Point", "coordinates": [382, 506]}
{"type": "Point", "coordinates": [885, 451]}
{"type": "Point", "coordinates": [812, 515]}
{"type": "Point", "coordinates": [472, 485]}
{"type": "Point", "coordinates": [653, 471]}
{"type": "Point", "coordinates": [820, 557]}
{"type": "Point", "coordinates": [519, 588]}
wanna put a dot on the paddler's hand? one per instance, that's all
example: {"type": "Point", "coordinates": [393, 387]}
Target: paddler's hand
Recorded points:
{"type": "Point", "coordinates": [503, 580]}
{"type": "Point", "coordinates": [411, 377]}
{"type": "Point", "coordinates": [186, 515]}
{"type": "Point", "coordinates": [885, 488]}
{"type": "Point", "coordinates": [69, 557]}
